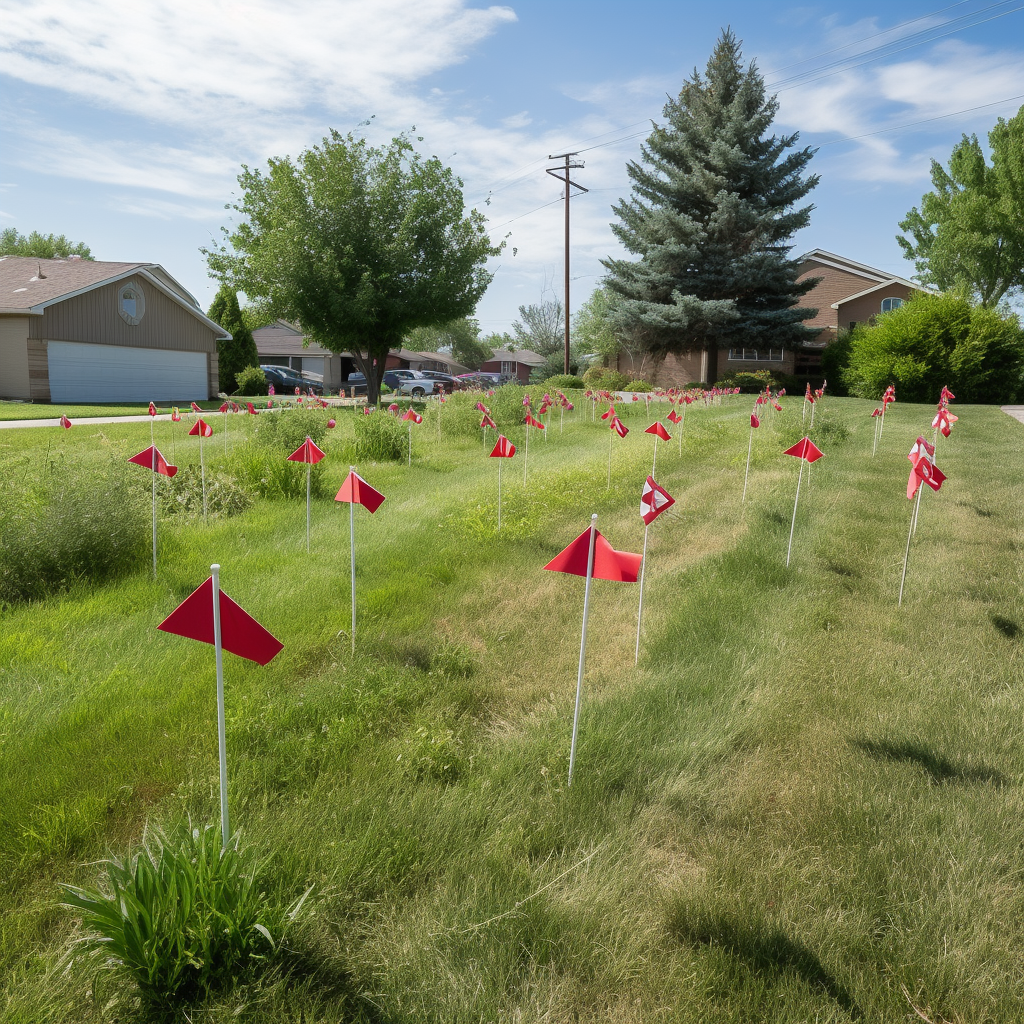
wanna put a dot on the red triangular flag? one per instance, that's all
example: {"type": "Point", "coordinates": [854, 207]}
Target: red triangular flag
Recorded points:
{"type": "Point", "coordinates": [480, 407]}
{"type": "Point", "coordinates": [754, 421]}
{"type": "Point", "coordinates": [357, 491]}
{"type": "Point", "coordinates": [152, 409]}
{"type": "Point", "coordinates": [654, 499]}
{"type": "Point", "coordinates": [240, 633]}
{"type": "Point", "coordinates": [805, 448]}
{"type": "Point", "coordinates": [145, 459]}
{"type": "Point", "coordinates": [201, 427]}
{"type": "Point", "coordinates": [307, 452]}
{"type": "Point", "coordinates": [195, 408]}
{"type": "Point", "coordinates": [250, 408]}
{"type": "Point", "coordinates": [608, 413]}
{"type": "Point", "coordinates": [415, 417]}
{"type": "Point", "coordinates": [659, 431]}
{"type": "Point", "coordinates": [503, 449]}
{"type": "Point", "coordinates": [674, 417]}
{"type": "Point", "coordinates": [619, 427]}
{"type": "Point", "coordinates": [175, 415]}
{"type": "Point", "coordinates": [487, 421]}
{"type": "Point", "coordinates": [65, 422]}
{"type": "Point", "coordinates": [531, 422]}
{"type": "Point", "coordinates": [609, 564]}
{"type": "Point", "coordinates": [224, 407]}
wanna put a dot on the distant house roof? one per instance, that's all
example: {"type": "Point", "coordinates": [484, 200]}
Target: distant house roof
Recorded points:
{"type": "Point", "coordinates": [453, 365]}
{"type": "Point", "coordinates": [281, 338]}
{"type": "Point", "coordinates": [524, 356]}
{"type": "Point", "coordinates": [29, 285]}
{"type": "Point", "coordinates": [830, 259]}
{"type": "Point", "coordinates": [880, 287]}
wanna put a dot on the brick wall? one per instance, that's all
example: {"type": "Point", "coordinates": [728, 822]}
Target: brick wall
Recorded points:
{"type": "Point", "coordinates": [834, 286]}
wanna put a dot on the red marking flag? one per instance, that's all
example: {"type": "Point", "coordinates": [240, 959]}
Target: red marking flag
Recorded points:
{"type": "Point", "coordinates": [531, 422]}
{"type": "Point", "coordinates": [673, 416]}
{"type": "Point", "coordinates": [609, 564]}
{"type": "Point", "coordinates": [754, 421]}
{"type": "Point", "coordinates": [619, 427]}
{"type": "Point", "coordinates": [152, 409]}
{"type": "Point", "coordinates": [251, 409]}
{"type": "Point", "coordinates": [240, 633]}
{"type": "Point", "coordinates": [201, 429]}
{"type": "Point", "coordinates": [944, 421]}
{"type": "Point", "coordinates": [175, 415]}
{"type": "Point", "coordinates": [412, 416]}
{"type": "Point", "coordinates": [925, 470]}
{"type": "Point", "coordinates": [654, 499]}
{"type": "Point", "coordinates": [145, 459]}
{"type": "Point", "coordinates": [195, 408]}
{"type": "Point", "coordinates": [357, 491]}
{"type": "Point", "coordinates": [480, 407]}
{"type": "Point", "coordinates": [488, 422]}
{"type": "Point", "coordinates": [224, 407]}
{"type": "Point", "coordinates": [65, 422]}
{"type": "Point", "coordinates": [503, 449]}
{"type": "Point", "coordinates": [307, 452]}
{"type": "Point", "coordinates": [609, 414]}
{"type": "Point", "coordinates": [658, 431]}
{"type": "Point", "coordinates": [805, 449]}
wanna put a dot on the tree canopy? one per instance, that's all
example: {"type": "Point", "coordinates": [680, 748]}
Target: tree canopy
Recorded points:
{"type": "Point", "coordinates": [713, 206]}
{"type": "Point", "coordinates": [237, 352]}
{"type": "Point", "coordinates": [541, 327]}
{"type": "Point", "coordinates": [460, 337]}
{"type": "Point", "coordinates": [44, 247]}
{"type": "Point", "coordinates": [970, 230]}
{"type": "Point", "coordinates": [359, 245]}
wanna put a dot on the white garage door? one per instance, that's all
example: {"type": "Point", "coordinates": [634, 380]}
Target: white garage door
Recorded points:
{"type": "Point", "coordinates": [116, 373]}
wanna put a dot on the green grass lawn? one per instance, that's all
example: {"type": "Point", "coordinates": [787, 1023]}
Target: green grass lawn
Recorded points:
{"type": "Point", "coordinates": [803, 805]}
{"type": "Point", "coordinates": [40, 411]}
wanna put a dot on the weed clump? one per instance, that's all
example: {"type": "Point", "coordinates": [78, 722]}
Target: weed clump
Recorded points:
{"type": "Point", "coordinates": [181, 917]}
{"type": "Point", "coordinates": [380, 437]}
{"type": "Point", "coordinates": [262, 465]}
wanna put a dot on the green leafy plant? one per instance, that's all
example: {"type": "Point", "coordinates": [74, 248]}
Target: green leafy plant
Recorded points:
{"type": "Point", "coordinates": [381, 437]}
{"type": "Point", "coordinates": [638, 385]}
{"type": "Point", "coordinates": [181, 916]}
{"type": "Point", "coordinates": [183, 495]}
{"type": "Point", "coordinates": [749, 380]}
{"type": "Point", "coordinates": [251, 381]}
{"type": "Point", "coordinates": [604, 378]}
{"type": "Point", "coordinates": [261, 463]}
{"type": "Point", "coordinates": [564, 381]}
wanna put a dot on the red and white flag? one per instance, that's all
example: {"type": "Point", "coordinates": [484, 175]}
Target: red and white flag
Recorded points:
{"type": "Point", "coordinates": [65, 422]}
{"type": "Point", "coordinates": [805, 449]}
{"type": "Point", "coordinates": [357, 491]}
{"type": "Point", "coordinates": [152, 409]}
{"type": "Point", "coordinates": [240, 633]}
{"type": "Point", "coordinates": [145, 459]}
{"type": "Point", "coordinates": [307, 452]}
{"type": "Point", "coordinates": [175, 415]}
{"type": "Point", "coordinates": [224, 407]}
{"type": "Point", "coordinates": [503, 449]}
{"type": "Point", "coordinates": [619, 427]}
{"type": "Point", "coordinates": [609, 564]}
{"type": "Point", "coordinates": [654, 499]}
{"type": "Point", "coordinates": [412, 416]}
{"type": "Point", "coordinates": [195, 408]}
{"type": "Point", "coordinates": [925, 471]}
{"type": "Point", "coordinates": [488, 422]}
{"type": "Point", "coordinates": [530, 421]}
{"type": "Point", "coordinates": [609, 413]}
{"type": "Point", "coordinates": [201, 429]}
{"type": "Point", "coordinates": [944, 421]}
{"type": "Point", "coordinates": [658, 431]}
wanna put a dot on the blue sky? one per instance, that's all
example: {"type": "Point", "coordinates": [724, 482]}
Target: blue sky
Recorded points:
{"type": "Point", "coordinates": [125, 126]}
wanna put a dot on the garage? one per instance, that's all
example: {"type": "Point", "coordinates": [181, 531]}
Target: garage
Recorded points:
{"type": "Point", "coordinates": [111, 373]}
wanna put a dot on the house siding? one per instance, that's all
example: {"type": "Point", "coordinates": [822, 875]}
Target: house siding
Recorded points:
{"type": "Point", "coordinates": [14, 374]}
{"type": "Point", "coordinates": [834, 286]}
{"type": "Point", "coordinates": [672, 371]}
{"type": "Point", "coordinates": [867, 307]}
{"type": "Point", "coordinates": [38, 370]}
{"type": "Point", "coordinates": [93, 318]}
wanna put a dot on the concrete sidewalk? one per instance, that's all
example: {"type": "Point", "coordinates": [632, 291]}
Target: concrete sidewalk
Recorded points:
{"type": "Point", "coordinates": [1016, 411]}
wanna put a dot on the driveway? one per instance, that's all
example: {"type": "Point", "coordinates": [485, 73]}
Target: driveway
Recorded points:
{"type": "Point", "coordinates": [1016, 411]}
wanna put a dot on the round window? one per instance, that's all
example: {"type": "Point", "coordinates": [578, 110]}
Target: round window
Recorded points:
{"type": "Point", "coordinates": [131, 304]}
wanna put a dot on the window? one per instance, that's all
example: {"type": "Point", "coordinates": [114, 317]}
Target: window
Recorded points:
{"type": "Point", "coordinates": [507, 367]}
{"type": "Point", "coordinates": [891, 303]}
{"type": "Point", "coordinates": [754, 355]}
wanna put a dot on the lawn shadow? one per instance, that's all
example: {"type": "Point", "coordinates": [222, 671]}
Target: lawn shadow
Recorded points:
{"type": "Point", "coordinates": [940, 770]}
{"type": "Point", "coordinates": [1009, 628]}
{"type": "Point", "coordinates": [767, 952]}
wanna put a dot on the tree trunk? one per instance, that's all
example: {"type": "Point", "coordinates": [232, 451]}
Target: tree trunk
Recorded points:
{"type": "Point", "coordinates": [372, 366]}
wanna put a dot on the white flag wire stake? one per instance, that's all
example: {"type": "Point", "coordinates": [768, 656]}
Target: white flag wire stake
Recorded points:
{"type": "Point", "coordinates": [309, 470]}
{"type": "Point", "coordinates": [225, 831]}
{"type": "Point", "coordinates": [750, 445]}
{"type": "Point", "coordinates": [202, 469]}
{"type": "Point", "coordinates": [583, 646]}
{"type": "Point", "coordinates": [526, 453]}
{"type": "Point", "coordinates": [640, 610]}
{"type": "Point", "coordinates": [154, 507]}
{"type": "Point", "coordinates": [352, 559]}
{"type": "Point", "coordinates": [410, 442]}
{"type": "Point", "coordinates": [499, 494]}
{"type": "Point", "coordinates": [793, 525]}
{"type": "Point", "coordinates": [608, 487]}
{"type": "Point", "coordinates": [910, 534]}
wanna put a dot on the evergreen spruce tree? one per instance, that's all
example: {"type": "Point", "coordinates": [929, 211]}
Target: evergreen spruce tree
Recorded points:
{"type": "Point", "coordinates": [238, 353]}
{"type": "Point", "coordinates": [712, 210]}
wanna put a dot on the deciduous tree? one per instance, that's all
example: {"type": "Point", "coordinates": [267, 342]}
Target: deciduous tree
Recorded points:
{"type": "Point", "coordinates": [357, 244]}
{"type": "Point", "coordinates": [44, 247]}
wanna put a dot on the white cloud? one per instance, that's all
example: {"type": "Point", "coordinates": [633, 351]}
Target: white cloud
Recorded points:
{"type": "Point", "coordinates": [520, 120]}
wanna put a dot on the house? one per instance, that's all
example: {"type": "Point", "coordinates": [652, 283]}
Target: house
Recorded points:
{"type": "Point", "coordinates": [847, 293]}
{"type": "Point", "coordinates": [74, 330]}
{"type": "Point", "coordinates": [516, 364]}
{"type": "Point", "coordinates": [281, 344]}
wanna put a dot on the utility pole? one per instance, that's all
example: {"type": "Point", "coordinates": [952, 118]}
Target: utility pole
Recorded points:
{"type": "Point", "coordinates": [554, 172]}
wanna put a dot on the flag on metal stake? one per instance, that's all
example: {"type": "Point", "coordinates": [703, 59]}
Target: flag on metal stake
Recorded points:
{"type": "Point", "coordinates": [308, 453]}
{"type": "Point", "coordinates": [356, 491]}
{"type": "Point", "coordinates": [654, 499]}
{"type": "Point", "coordinates": [202, 429]}
{"type": "Point", "coordinates": [806, 451]}
{"type": "Point", "coordinates": [503, 449]}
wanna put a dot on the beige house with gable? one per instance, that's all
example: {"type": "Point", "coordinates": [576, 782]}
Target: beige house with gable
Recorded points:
{"type": "Point", "coordinates": [74, 330]}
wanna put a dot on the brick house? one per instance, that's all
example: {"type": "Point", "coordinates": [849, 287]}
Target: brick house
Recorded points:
{"type": "Point", "coordinates": [847, 293]}
{"type": "Point", "coordinates": [517, 364]}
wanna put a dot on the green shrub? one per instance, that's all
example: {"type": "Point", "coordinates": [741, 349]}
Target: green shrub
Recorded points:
{"type": "Point", "coordinates": [251, 381]}
{"type": "Point", "coordinates": [181, 917]}
{"type": "Point", "coordinates": [604, 378]}
{"type": "Point", "coordinates": [82, 521]}
{"type": "Point", "coordinates": [638, 385]}
{"type": "Point", "coordinates": [749, 381]}
{"type": "Point", "coordinates": [934, 340]}
{"type": "Point", "coordinates": [182, 495]}
{"type": "Point", "coordinates": [563, 382]}
{"type": "Point", "coordinates": [261, 463]}
{"type": "Point", "coordinates": [381, 437]}
{"type": "Point", "coordinates": [834, 362]}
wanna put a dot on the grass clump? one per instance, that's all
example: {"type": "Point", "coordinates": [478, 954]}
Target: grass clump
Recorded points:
{"type": "Point", "coordinates": [380, 437]}
{"type": "Point", "coordinates": [261, 463]}
{"type": "Point", "coordinates": [181, 917]}
{"type": "Point", "coordinates": [63, 528]}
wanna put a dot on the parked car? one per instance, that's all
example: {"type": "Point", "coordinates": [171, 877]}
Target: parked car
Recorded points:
{"type": "Point", "coordinates": [286, 380]}
{"type": "Point", "coordinates": [408, 382]}
{"type": "Point", "coordinates": [356, 383]}
{"type": "Point", "coordinates": [450, 383]}
{"type": "Point", "coordinates": [478, 379]}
